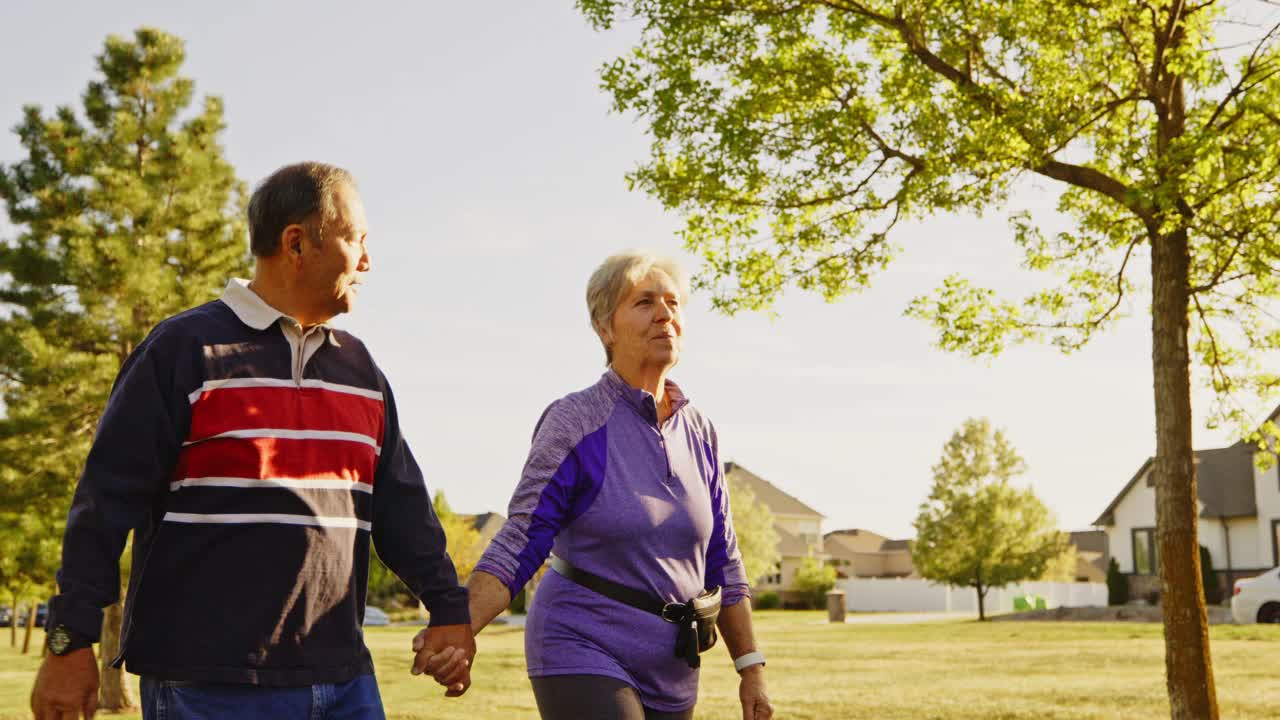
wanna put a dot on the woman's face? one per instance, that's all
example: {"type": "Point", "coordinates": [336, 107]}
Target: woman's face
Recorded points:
{"type": "Point", "coordinates": [646, 328]}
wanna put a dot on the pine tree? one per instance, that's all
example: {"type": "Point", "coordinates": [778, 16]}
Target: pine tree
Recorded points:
{"type": "Point", "coordinates": [125, 212]}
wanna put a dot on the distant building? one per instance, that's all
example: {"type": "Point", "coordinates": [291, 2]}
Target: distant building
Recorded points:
{"type": "Point", "coordinates": [858, 553]}
{"type": "Point", "coordinates": [487, 524]}
{"type": "Point", "coordinates": [799, 529]}
{"type": "Point", "coordinates": [1092, 556]}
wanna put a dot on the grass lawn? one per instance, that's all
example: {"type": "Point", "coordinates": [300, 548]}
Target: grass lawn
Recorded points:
{"type": "Point", "coordinates": [962, 670]}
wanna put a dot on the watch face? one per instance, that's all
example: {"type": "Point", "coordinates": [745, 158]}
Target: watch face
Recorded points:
{"type": "Point", "coordinates": [59, 639]}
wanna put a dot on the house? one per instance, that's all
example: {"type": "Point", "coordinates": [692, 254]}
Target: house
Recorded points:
{"type": "Point", "coordinates": [799, 529]}
{"type": "Point", "coordinates": [1092, 555]}
{"type": "Point", "coordinates": [487, 524]}
{"type": "Point", "coordinates": [1239, 520]}
{"type": "Point", "coordinates": [861, 553]}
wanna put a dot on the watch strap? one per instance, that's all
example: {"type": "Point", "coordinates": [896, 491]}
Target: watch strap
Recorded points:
{"type": "Point", "coordinates": [742, 662]}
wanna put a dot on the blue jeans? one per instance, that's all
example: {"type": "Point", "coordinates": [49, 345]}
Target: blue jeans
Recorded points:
{"type": "Point", "coordinates": [354, 700]}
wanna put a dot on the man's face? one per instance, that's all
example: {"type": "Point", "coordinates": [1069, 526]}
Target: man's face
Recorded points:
{"type": "Point", "coordinates": [335, 265]}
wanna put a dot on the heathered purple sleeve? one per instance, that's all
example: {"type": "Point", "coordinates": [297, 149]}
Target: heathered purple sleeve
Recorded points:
{"type": "Point", "coordinates": [552, 492]}
{"type": "Point", "coordinates": [724, 560]}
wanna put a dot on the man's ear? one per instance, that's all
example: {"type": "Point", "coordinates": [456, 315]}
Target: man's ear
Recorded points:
{"type": "Point", "coordinates": [292, 240]}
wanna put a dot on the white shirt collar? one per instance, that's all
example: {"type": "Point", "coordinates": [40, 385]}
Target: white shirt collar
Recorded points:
{"type": "Point", "coordinates": [256, 312]}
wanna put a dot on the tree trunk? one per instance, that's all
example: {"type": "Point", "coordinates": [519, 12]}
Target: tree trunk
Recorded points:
{"type": "Point", "coordinates": [115, 694]}
{"type": "Point", "coordinates": [982, 598]}
{"type": "Point", "coordinates": [1188, 668]}
{"type": "Point", "coordinates": [13, 624]}
{"type": "Point", "coordinates": [31, 623]}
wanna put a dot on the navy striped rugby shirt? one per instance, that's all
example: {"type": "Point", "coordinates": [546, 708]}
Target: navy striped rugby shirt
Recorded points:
{"type": "Point", "coordinates": [255, 461]}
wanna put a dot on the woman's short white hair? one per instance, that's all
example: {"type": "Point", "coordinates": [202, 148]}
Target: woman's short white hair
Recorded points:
{"type": "Point", "coordinates": [614, 279]}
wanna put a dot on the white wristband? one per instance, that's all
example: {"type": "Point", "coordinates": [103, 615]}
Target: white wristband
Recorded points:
{"type": "Point", "coordinates": [742, 662]}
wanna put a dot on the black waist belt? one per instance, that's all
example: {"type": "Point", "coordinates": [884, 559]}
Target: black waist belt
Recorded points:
{"type": "Point", "coordinates": [696, 617]}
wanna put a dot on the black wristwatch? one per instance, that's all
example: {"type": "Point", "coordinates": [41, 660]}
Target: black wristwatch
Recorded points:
{"type": "Point", "coordinates": [63, 640]}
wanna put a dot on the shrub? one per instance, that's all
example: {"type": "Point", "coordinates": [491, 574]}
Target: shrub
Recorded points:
{"type": "Point", "coordinates": [1209, 578]}
{"type": "Point", "coordinates": [813, 580]}
{"type": "Point", "coordinates": [519, 601]}
{"type": "Point", "coordinates": [1117, 585]}
{"type": "Point", "coordinates": [768, 601]}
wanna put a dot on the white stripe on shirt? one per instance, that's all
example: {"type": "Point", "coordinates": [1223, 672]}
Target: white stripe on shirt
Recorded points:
{"type": "Point", "coordinates": [270, 518]}
{"type": "Point", "coordinates": [286, 434]}
{"type": "Point", "coordinates": [232, 383]}
{"type": "Point", "coordinates": [265, 483]}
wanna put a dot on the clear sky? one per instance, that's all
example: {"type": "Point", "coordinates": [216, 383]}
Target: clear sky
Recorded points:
{"type": "Point", "coordinates": [493, 174]}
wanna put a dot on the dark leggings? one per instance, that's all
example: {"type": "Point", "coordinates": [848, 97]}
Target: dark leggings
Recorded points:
{"type": "Point", "coordinates": [594, 697]}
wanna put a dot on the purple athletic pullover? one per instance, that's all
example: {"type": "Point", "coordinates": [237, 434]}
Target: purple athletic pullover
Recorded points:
{"type": "Point", "coordinates": [609, 491]}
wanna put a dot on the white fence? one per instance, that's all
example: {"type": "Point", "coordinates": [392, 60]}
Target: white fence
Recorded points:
{"type": "Point", "coordinates": [915, 595]}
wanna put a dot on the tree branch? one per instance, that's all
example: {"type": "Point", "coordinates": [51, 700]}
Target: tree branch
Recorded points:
{"type": "Point", "coordinates": [1097, 181]}
{"type": "Point", "coordinates": [1215, 364]}
{"type": "Point", "coordinates": [1240, 88]}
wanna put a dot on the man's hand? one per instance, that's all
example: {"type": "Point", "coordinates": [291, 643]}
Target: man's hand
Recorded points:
{"type": "Point", "coordinates": [755, 703]}
{"type": "Point", "coordinates": [445, 652]}
{"type": "Point", "coordinates": [66, 686]}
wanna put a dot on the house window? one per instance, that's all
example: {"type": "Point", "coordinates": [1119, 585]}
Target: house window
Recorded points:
{"type": "Point", "coordinates": [1146, 560]}
{"type": "Point", "coordinates": [774, 578]}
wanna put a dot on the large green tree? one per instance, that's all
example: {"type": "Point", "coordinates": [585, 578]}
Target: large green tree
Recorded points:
{"type": "Point", "coordinates": [125, 212]}
{"type": "Point", "coordinates": [976, 529]}
{"type": "Point", "coordinates": [795, 135]}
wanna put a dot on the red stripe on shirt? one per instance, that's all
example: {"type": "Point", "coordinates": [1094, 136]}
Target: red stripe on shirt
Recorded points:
{"type": "Point", "coordinates": [227, 409]}
{"type": "Point", "coordinates": [266, 458]}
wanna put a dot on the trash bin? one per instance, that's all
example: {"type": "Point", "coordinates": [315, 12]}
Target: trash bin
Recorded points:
{"type": "Point", "coordinates": [835, 606]}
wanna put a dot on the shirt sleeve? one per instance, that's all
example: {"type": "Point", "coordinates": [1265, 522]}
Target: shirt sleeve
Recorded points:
{"type": "Point", "coordinates": [556, 486]}
{"type": "Point", "coordinates": [724, 560]}
{"type": "Point", "coordinates": [129, 463]}
{"type": "Point", "coordinates": [406, 531]}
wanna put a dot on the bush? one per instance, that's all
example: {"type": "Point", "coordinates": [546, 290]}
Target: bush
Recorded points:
{"type": "Point", "coordinates": [519, 602]}
{"type": "Point", "coordinates": [768, 601]}
{"type": "Point", "coordinates": [1117, 585]}
{"type": "Point", "coordinates": [1209, 578]}
{"type": "Point", "coordinates": [813, 580]}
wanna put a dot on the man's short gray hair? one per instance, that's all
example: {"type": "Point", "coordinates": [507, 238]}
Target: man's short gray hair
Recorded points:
{"type": "Point", "coordinates": [295, 194]}
{"type": "Point", "coordinates": [615, 277]}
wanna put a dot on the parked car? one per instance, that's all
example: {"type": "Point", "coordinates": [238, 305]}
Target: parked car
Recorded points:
{"type": "Point", "coordinates": [1257, 600]}
{"type": "Point", "coordinates": [6, 616]}
{"type": "Point", "coordinates": [375, 616]}
{"type": "Point", "coordinates": [42, 612]}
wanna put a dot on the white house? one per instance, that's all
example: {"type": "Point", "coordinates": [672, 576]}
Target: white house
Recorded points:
{"type": "Point", "coordinates": [1239, 519]}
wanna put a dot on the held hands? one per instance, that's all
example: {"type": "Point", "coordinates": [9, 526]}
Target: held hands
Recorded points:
{"type": "Point", "coordinates": [445, 652]}
{"type": "Point", "coordinates": [755, 703]}
{"type": "Point", "coordinates": [66, 686]}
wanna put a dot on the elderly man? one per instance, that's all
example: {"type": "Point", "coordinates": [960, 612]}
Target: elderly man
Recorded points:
{"type": "Point", "coordinates": [255, 452]}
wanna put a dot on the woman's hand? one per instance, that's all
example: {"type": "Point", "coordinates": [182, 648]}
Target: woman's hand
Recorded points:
{"type": "Point", "coordinates": [755, 703]}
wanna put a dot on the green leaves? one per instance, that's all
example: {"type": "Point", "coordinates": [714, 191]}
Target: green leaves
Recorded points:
{"type": "Point", "coordinates": [813, 579]}
{"type": "Point", "coordinates": [976, 529]}
{"type": "Point", "coordinates": [792, 137]}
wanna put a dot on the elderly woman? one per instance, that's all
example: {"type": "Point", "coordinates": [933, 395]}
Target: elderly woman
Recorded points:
{"type": "Point", "coordinates": [624, 485]}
